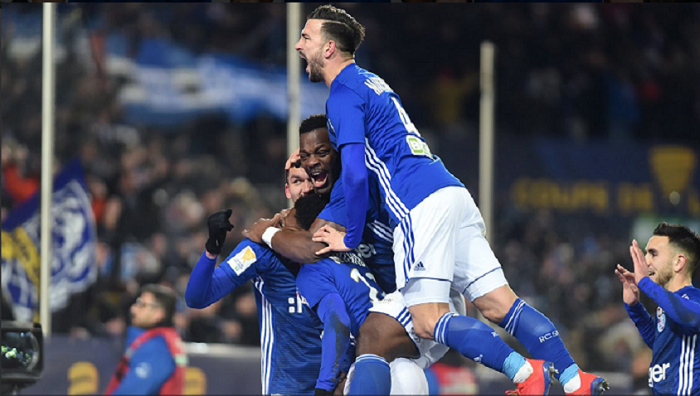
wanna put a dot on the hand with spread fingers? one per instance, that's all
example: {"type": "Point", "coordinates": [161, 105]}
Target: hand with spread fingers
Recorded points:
{"type": "Point", "coordinates": [333, 238]}
{"type": "Point", "coordinates": [640, 265]}
{"type": "Point", "coordinates": [630, 291]}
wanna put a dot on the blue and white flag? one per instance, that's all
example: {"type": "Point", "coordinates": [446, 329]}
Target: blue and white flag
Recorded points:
{"type": "Point", "coordinates": [166, 85]}
{"type": "Point", "coordinates": [73, 246]}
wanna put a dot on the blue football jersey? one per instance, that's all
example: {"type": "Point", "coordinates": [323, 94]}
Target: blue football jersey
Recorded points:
{"type": "Point", "coordinates": [363, 109]}
{"type": "Point", "coordinates": [673, 336]}
{"type": "Point", "coordinates": [377, 237]}
{"type": "Point", "coordinates": [289, 332]}
{"type": "Point", "coordinates": [345, 274]}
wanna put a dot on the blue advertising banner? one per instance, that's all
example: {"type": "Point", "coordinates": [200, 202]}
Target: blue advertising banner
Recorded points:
{"type": "Point", "coordinates": [73, 248]}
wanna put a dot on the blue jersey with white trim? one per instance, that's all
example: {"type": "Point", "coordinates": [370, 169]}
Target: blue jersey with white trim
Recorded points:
{"type": "Point", "coordinates": [377, 237]}
{"type": "Point", "coordinates": [345, 274]}
{"type": "Point", "coordinates": [673, 336]}
{"type": "Point", "coordinates": [290, 341]}
{"type": "Point", "coordinates": [362, 108]}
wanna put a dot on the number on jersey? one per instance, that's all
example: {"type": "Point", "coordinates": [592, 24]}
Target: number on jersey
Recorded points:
{"type": "Point", "coordinates": [357, 277]}
{"type": "Point", "coordinates": [415, 143]}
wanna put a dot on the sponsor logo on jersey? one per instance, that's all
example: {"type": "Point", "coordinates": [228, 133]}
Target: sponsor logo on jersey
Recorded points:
{"type": "Point", "coordinates": [419, 266]}
{"type": "Point", "coordinates": [366, 250]}
{"type": "Point", "coordinates": [348, 257]}
{"type": "Point", "coordinates": [241, 261]}
{"type": "Point", "coordinates": [660, 319]}
{"type": "Point", "coordinates": [657, 373]}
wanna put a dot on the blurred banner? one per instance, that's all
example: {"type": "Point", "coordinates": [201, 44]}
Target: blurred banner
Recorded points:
{"type": "Point", "coordinates": [73, 266]}
{"type": "Point", "coordinates": [166, 85]}
{"type": "Point", "coordinates": [605, 178]}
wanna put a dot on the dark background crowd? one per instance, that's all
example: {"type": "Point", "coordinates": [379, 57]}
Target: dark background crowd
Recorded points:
{"type": "Point", "coordinates": [581, 72]}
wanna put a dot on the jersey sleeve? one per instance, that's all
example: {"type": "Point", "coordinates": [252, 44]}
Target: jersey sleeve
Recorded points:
{"type": "Point", "coordinates": [643, 321]}
{"type": "Point", "coordinates": [684, 311]}
{"type": "Point", "coordinates": [335, 211]}
{"type": "Point", "coordinates": [150, 366]}
{"type": "Point", "coordinates": [354, 175]}
{"type": "Point", "coordinates": [346, 110]}
{"type": "Point", "coordinates": [208, 284]}
{"type": "Point", "coordinates": [336, 340]}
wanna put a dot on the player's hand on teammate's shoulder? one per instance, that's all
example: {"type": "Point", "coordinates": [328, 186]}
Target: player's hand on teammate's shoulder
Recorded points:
{"type": "Point", "coordinates": [218, 225]}
{"type": "Point", "coordinates": [333, 238]}
{"type": "Point", "coordinates": [255, 232]}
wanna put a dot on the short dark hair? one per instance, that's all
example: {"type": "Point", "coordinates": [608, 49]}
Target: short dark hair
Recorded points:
{"type": "Point", "coordinates": [286, 171]}
{"type": "Point", "coordinates": [684, 239]}
{"type": "Point", "coordinates": [166, 298]}
{"type": "Point", "coordinates": [308, 208]}
{"type": "Point", "coordinates": [340, 27]}
{"type": "Point", "coordinates": [313, 122]}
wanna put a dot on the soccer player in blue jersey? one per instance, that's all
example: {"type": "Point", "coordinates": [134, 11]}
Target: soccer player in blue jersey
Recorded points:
{"type": "Point", "coordinates": [289, 332]}
{"type": "Point", "coordinates": [438, 231]}
{"type": "Point", "coordinates": [343, 291]}
{"type": "Point", "coordinates": [665, 274]}
{"type": "Point", "coordinates": [387, 321]}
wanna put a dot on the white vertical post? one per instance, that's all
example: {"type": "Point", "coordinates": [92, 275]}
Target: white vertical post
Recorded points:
{"type": "Point", "coordinates": [48, 85]}
{"type": "Point", "coordinates": [293, 78]}
{"type": "Point", "coordinates": [486, 135]}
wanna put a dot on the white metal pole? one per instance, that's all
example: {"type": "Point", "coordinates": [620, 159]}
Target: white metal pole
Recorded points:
{"type": "Point", "coordinates": [47, 131]}
{"type": "Point", "coordinates": [486, 135]}
{"type": "Point", "coordinates": [293, 78]}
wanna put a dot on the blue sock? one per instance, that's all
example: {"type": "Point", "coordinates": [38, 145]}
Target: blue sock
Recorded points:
{"type": "Point", "coordinates": [475, 340]}
{"type": "Point", "coordinates": [538, 335]}
{"type": "Point", "coordinates": [372, 376]}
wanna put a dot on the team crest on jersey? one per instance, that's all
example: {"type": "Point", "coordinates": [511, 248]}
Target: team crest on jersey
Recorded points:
{"type": "Point", "coordinates": [242, 260]}
{"type": "Point", "coordinates": [660, 319]}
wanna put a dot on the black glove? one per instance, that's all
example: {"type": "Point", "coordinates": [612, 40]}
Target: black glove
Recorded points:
{"type": "Point", "coordinates": [322, 392]}
{"type": "Point", "coordinates": [218, 227]}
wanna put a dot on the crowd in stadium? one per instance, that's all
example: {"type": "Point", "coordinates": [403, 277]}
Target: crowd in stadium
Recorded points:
{"type": "Point", "coordinates": [613, 72]}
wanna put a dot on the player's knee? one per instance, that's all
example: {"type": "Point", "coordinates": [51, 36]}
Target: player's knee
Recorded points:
{"type": "Point", "coordinates": [424, 328]}
{"type": "Point", "coordinates": [496, 304]}
{"type": "Point", "coordinates": [384, 336]}
{"type": "Point", "coordinates": [425, 317]}
{"type": "Point", "coordinates": [494, 314]}
{"type": "Point", "coordinates": [372, 337]}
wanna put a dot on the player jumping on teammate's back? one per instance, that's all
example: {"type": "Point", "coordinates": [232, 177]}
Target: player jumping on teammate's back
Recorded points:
{"type": "Point", "coordinates": [438, 231]}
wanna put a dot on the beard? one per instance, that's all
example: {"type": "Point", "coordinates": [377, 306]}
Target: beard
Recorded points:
{"type": "Point", "coordinates": [664, 275]}
{"type": "Point", "coordinates": [315, 72]}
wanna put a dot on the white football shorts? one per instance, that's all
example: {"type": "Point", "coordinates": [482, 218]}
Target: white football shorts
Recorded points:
{"type": "Point", "coordinates": [442, 238]}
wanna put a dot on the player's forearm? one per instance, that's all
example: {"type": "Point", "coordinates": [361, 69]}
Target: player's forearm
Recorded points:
{"type": "Point", "coordinates": [296, 245]}
{"type": "Point", "coordinates": [683, 311]}
{"type": "Point", "coordinates": [643, 321]}
{"type": "Point", "coordinates": [203, 287]}
{"type": "Point", "coordinates": [356, 191]}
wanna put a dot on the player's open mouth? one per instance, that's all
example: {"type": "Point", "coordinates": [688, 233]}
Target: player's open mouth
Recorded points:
{"type": "Point", "coordinates": [652, 273]}
{"type": "Point", "coordinates": [320, 178]}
